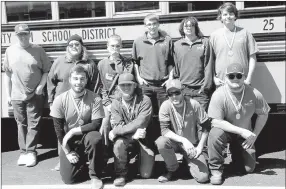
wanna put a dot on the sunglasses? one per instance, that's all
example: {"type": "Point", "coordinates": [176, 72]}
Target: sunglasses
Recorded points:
{"type": "Point", "coordinates": [232, 76]}
{"type": "Point", "coordinates": [176, 93]}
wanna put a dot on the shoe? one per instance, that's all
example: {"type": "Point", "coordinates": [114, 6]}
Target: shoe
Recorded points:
{"type": "Point", "coordinates": [57, 167]}
{"type": "Point", "coordinates": [22, 160]}
{"type": "Point", "coordinates": [31, 159]}
{"type": "Point", "coordinates": [216, 177]}
{"type": "Point", "coordinates": [166, 177]}
{"type": "Point", "coordinates": [96, 183]}
{"type": "Point", "coordinates": [120, 181]}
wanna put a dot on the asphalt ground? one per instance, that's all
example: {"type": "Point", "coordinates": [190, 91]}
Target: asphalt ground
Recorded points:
{"type": "Point", "coordinates": [269, 173]}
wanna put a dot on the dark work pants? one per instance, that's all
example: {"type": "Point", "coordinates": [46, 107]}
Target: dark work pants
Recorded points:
{"type": "Point", "coordinates": [122, 147]}
{"type": "Point", "coordinates": [198, 166]}
{"type": "Point", "coordinates": [157, 94]}
{"type": "Point", "coordinates": [202, 98]}
{"type": "Point", "coordinates": [217, 142]}
{"type": "Point", "coordinates": [91, 146]}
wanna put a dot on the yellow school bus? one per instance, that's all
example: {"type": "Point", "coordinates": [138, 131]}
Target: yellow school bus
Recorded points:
{"type": "Point", "coordinates": [52, 23]}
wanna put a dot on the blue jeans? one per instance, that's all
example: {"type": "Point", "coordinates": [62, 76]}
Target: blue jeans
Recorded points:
{"type": "Point", "coordinates": [27, 115]}
{"type": "Point", "coordinates": [122, 147]}
{"type": "Point", "coordinates": [217, 142]}
{"type": "Point", "coordinates": [198, 166]}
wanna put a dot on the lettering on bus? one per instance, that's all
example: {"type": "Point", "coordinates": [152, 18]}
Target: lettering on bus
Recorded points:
{"type": "Point", "coordinates": [6, 37]}
{"type": "Point", "coordinates": [104, 33]}
{"type": "Point", "coordinates": [53, 36]}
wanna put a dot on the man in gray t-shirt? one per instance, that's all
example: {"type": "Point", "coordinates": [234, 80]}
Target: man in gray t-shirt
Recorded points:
{"type": "Point", "coordinates": [26, 66]}
{"type": "Point", "coordinates": [231, 108]}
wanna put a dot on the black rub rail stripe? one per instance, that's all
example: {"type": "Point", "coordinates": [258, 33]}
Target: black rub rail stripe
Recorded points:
{"type": "Point", "coordinates": [259, 37]}
{"type": "Point", "coordinates": [252, 13]}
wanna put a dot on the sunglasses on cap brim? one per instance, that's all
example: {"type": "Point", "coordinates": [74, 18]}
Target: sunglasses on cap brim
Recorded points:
{"type": "Point", "coordinates": [231, 76]}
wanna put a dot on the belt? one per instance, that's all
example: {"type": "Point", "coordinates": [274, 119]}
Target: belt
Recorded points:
{"type": "Point", "coordinates": [192, 87]}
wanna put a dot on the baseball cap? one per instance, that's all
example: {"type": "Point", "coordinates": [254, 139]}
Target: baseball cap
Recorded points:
{"type": "Point", "coordinates": [76, 38]}
{"type": "Point", "coordinates": [126, 78]}
{"type": "Point", "coordinates": [175, 83]}
{"type": "Point", "coordinates": [234, 68]}
{"type": "Point", "coordinates": [22, 28]}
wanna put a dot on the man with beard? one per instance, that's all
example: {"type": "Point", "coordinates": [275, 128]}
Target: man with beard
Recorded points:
{"type": "Point", "coordinates": [26, 66]}
{"type": "Point", "coordinates": [77, 116]}
{"type": "Point", "coordinates": [131, 114]}
{"type": "Point", "coordinates": [231, 108]}
{"type": "Point", "coordinates": [58, 77]}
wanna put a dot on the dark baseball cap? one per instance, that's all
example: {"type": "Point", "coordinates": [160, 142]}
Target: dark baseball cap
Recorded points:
{"type": "Point", "coordinates": [234, 68]}
{"type": "Point", "coordinates": [126, 78]}
{"type": "Point", "coordinates": [22, 28]}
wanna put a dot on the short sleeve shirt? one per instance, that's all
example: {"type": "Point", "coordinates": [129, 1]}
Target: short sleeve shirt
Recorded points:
{"type": "Point", "coordinates": [26, 66]}
{"type": "Point", "coordinates": [195, 115]}
{"type": "Point", "coordinates": [63, 107]}
{"type": "Point", "coordinates": [244, 45]}
{"type": "Point", "coordinates": [221, 106]}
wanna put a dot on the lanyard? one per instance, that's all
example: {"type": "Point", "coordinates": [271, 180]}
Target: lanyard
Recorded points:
{"type": "Point", "coordinates": [127, 107]}
{"type": "Point", "coordinates": [79, 111]}
{"type": "Point", "coordinates": [232, 40]}
{"type": "Point", "coordinates": [232, 100]}
{"type": "Point", "coordinates": [177, 118]}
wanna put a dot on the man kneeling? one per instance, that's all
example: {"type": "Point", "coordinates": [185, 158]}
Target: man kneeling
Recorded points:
{"type": "Point", "coordinates": [131, 113]}
{"type": "Point", "coordinates": [77, 116]}
{"type": "Point", "coordinates": [180, 119]}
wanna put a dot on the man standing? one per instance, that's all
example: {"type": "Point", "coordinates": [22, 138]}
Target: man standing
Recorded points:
{"type": "Point", "coordinates": [231, 108]}
{"type": "Point", "coordinates": [180, 119]}
{"type": "Point", "coordinates": [109, 69]}
{"type": "Point", "coordinates": [152, 53]}
{"type": "Point", "coordinates": [77, 116]}
{"type": "Point", "coordinates": [194, 61]}
{"type": "Point", "coordinates": [232, 44]}
{"type": "Point", "coordinates": [131, 114]}
{"type": "Point", "coordinates": [26, 66]}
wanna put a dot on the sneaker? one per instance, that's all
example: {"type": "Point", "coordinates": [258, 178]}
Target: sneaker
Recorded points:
{"type": "Point", "coordinates": [216, 177]}
{"type": "Point", "coordinates": [57, 167]}
{"type": "Point", "coordinates": [31, 159]}
{"type": "Point", "coordinates": [96, 183]}
{"type": "Point", "coordinates": [166, 177]}
{"type": "Point", "coordinates": [120, 181]}
{"type": "Point", "coordinates": [22, 160]}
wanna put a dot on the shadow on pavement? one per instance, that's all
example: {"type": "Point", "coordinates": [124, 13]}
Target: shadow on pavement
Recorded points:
{"type": "Point", "coordinates": [265, 165]}
{"type": "Point", "coordinates": [50, 154]}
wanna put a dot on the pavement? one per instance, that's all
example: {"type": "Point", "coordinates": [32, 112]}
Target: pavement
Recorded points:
{"type": "Point", "coordinates": [269, 173]}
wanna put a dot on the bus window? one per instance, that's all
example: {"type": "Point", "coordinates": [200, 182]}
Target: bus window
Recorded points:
{"type": "Point", "coordinates": [84, 9]}
{"type": "Point", "coordinates": [121, 6]}
{"type": "Point", "coordinates": [248, 4]}
{"type": "Point", "coordinates": [27, 11]}
{"type": "Point", "coordinates": [184, 6]}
